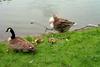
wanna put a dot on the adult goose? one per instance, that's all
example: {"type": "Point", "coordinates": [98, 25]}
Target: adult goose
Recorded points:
{"type": "Point", "coordinates": [18, 43]}
{"type": "Point", "coordinates": [59, 24]}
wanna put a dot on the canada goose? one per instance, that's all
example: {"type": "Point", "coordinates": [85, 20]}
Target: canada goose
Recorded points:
{"type": "Point", "coordinates": [59, 24]}
{"type": "Point", "coordinates": [18, 43]}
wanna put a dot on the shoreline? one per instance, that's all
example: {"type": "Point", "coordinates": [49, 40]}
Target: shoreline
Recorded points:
{"type": "Point", "coordinates": [36, 34]}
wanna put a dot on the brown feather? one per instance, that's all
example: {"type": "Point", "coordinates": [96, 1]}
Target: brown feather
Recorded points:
{"type": "Point", "coordinates": [21, 45]}
{"type": "Point", "coordinates": [62, 25]}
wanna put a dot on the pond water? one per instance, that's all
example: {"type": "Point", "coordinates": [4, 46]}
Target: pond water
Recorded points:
{"type": "Point", "coordinates": [19, 13]}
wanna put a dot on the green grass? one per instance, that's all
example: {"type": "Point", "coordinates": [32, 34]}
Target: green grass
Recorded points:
{"type": "Point", "coordinates": [82, 50]}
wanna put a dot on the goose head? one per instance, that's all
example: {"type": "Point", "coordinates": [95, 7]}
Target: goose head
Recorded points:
{"type": "Point", "coordinates": [52, 20]}
{"type": "Point", "coordinates": [9, 29]}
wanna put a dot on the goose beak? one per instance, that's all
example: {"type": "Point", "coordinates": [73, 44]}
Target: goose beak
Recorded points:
{"type": "Point", "coordinates": [6, 30]}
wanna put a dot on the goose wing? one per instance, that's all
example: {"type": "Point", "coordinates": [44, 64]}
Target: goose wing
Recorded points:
{"type": "Point", "coordinates": [21, 44]}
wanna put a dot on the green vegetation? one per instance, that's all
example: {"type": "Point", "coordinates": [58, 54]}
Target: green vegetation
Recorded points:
{"type": "Point", "coordinates": [82, 49]}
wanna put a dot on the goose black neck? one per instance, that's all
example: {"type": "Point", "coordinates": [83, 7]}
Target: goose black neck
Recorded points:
{"type": "Point", "coordinates": [13, 34]}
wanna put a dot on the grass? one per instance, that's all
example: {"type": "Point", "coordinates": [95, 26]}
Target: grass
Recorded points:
{"type": "Point", "coordinates": [81, 50]}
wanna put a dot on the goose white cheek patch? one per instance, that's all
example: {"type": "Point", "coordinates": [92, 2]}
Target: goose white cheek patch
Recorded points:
{"type": "Point", "coordinates": [9, 29]}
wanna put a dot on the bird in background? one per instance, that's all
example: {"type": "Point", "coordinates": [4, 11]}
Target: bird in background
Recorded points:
{"type": "Point", "coordinates": [60, 24]}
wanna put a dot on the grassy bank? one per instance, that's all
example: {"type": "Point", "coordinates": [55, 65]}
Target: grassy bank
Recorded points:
{"type": "Point", "coordinates": [82, 49]}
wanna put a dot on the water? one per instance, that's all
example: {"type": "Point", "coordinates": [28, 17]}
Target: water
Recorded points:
{"type": "Point", "coordinates": [19, 13]}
